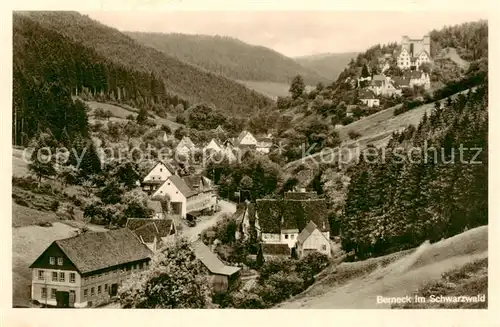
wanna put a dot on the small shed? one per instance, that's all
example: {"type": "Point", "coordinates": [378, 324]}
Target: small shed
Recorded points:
{"type": "Point", "coordinates": [222, 276]}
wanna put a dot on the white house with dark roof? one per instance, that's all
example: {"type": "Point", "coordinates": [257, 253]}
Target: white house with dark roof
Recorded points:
{"type": "Point", "coordinates": [160, 172]}
{"type": "Point", "coordinates": [187, 194]}
{"type": "Point", "coordinates": [280, 221]}
{"type": "Point", "coordinates": [87, 269]}
{"type": "Point", "coordinates": [311, 239]}
{"type": "Point", "coordinates": [368, 98]}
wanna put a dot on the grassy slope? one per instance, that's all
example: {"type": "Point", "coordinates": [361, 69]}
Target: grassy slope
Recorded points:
{"type": "Point", "coordinates": [375, 129]}
{"type": "Point", "coordinates": [180, 78]}
{"type": "Point", "coordinates": [356, 285]}
{"type": "Point", "coordinates": [121, 113]}
{"type": "Point", "coordinates": [328, 65]}
{"type": "Point", "coordinates": [229, 57]}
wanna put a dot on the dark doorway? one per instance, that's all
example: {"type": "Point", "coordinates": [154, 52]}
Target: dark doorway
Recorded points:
{"type": "Point", "coordinates": [114, 290]}
{"type": "Point", "coordinates": [62, 299]}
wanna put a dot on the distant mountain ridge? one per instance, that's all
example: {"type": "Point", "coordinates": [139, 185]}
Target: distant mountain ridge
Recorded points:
{"type": "Point", "coordinates": [184, 80]}
{"type": "Point", "coordinates": [229, 57]}
{"type": "Point", "coordinates": [328, 65]}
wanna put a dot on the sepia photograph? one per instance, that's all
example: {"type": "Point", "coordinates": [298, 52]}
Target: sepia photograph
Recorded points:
{"type": "Point", "coordinates": [249, 160]}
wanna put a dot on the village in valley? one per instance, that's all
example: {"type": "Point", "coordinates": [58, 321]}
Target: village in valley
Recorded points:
{"type": "Point", "coordinates": [206, 194]}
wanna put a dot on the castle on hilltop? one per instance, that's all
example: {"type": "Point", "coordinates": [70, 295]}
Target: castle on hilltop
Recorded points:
{"type": "Point", "coordinates": [414, 52]}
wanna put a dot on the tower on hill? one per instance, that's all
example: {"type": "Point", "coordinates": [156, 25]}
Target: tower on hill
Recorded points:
{"type": "Point", "coordinates": [416, 46]}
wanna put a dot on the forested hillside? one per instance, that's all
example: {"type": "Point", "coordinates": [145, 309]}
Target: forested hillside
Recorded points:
{"type": "Point", "coordinates": [435, 191]}
{"type": "Point", "coordinates": [328, 65]}
{"type": "Point", "coordinates": [229, 57]}
{"type": "Point", "coordinates": [49, 68]}
{"type": "Point", "coordinates": [183, 80]}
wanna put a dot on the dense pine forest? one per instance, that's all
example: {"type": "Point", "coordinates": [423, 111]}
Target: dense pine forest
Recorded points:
{"type": "Point", "coordinates": [49, 68]}
{"type": "Point", "coordinates": [395, 204]}
{"type": "Point", "coordinates": [187, 82]}
{"type": "Point", "coordinates": [230, 57]}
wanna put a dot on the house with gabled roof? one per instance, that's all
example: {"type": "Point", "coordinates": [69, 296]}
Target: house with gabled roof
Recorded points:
{"type": "Point", "coordinates": [158, 174]}
{"type": "Point", "coordinates": [368, 98]}
{"type": "Point", "coordinates": [213, 145]}
{"type": "Point", "coordinates": [187, 194]}
{"type": "Point", "coordinates": [185, 146]}
{"type": "Point", "coordinates": [220, 131]}
{"type": "Point", "coordinates": [264, 145]}
{"type": "Point", "coordinates": [311, 239]}
{"type": "Point", "coordinates": [280, 221]}
{"type": "Point", "coordinates": [221, 275]}
{"type": "Point", "coordinates": [152, 232]}
{"type": "Point", "coordinates": [245, 139]}
{"type": "Point", "coordinates": [87, 269]}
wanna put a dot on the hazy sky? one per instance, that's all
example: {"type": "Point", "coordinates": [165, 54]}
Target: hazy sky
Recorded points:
{"type": "Point", "coordinates": [291, 33]}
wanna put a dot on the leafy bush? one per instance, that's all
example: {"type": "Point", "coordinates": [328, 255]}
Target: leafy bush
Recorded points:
{"type": "Point", "coordinates": [353, 135]}
{"type": "Point", "coordinates": [54, 205]}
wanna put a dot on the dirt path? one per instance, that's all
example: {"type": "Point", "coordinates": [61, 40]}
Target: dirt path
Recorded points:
{"type": "Point", "coordinates": [191, 233]}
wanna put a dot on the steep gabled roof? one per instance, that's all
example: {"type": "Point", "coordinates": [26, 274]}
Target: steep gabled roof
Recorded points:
{"type": "Point", "coordinates": [401, 81]}
{"type": "Point", "coordinates": [147, 233]}
{"type": "Point", "coordinates": [181, 185]}
{"type": "Point", "coordinates": [211, 261]}
{"type": "Point", "coordinates": [93, 251]}
{"type": "Point", "coordinates": [275, 249]}
{"type": "Point", "coordinates": [219, 129]}
{"type": "Point", "coordinates": [275, 215]}
{"type": "Point", "coordinates": [163, 226]}
{"type": "Point", "coordinates": [186, 141]}
{"type": "Point", "coordinates": [306, 232]}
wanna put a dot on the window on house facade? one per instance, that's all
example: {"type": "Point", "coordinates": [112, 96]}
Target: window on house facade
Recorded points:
{"type": "Point", "coordinates": [323, 247]}
{"type": "Point", "coordinates": [53, 293]}
{"type": "Point", "coordinates": [52, 260]}
{"type": "Point", "coordinates": [62, 276]}
{"type": "Point", "coordinates": [92, 291]}
{"type": "Point", "coordinates": [286, 236]}
{"type": "Point", "coordinates": [54, 276]}
{"type": "Point", "coordinates": [41, 275]}
{"type": "Point", "coordinates": [85, 293]}
{"type": "Point", "coordinates": [140, 265]}
{"type": "Point", "coordinates": [59, 261]}
{"type": "Point", "coordinates": [99, 289]}
{"type": "Point", "coordinates": [291, 236]}
{"type": "Point", "coordinates": [72, 277]}
{"type": "Point", "coordinates": [44, 292]}
{"type": "Point", "coordinates": [105, 287]}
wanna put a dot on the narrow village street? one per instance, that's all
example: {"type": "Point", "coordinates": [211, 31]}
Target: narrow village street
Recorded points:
{"type": "Point", "coordinates": [191, 233]}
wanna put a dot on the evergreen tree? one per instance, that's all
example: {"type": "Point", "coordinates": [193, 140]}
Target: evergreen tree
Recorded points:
{"type": "Point", "coordinates": [297, 87]}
